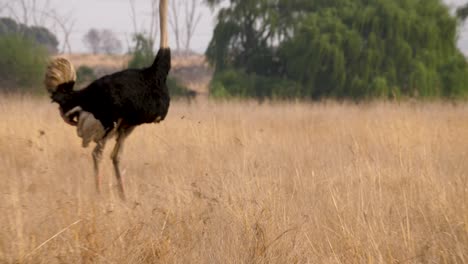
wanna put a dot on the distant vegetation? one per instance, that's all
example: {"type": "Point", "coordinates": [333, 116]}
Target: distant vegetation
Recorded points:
{"type": "Point", "coordinates": [24, 52]}
{"type": "Point", "coordinates": [22, 63]}
{"type": "Point", "coordinates": [337, 48]}
{"type": "Point", "coordinates": [462, 12]}
{"type": "Point", "coordinates": [23, 55]}
{"type": "Point", "coordinates": [85, 74]}
{"type": "Point", "coordinates": [102, 41]}
{"type": "Point", "coordinates": [40, 35]}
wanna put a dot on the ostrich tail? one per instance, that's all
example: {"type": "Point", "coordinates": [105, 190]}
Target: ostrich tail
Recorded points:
{"type": "Point", "coordinates": [59, 71]}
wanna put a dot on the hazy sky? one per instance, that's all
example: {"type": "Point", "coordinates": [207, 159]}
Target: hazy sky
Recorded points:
{"type": "Point", "coordinates": [116, 15]}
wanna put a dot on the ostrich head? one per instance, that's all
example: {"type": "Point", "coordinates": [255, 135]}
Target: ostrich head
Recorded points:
{"type": "Point", "coordinates": [59, 71]}
{"type": "Point", "coordinates": [59, 81]}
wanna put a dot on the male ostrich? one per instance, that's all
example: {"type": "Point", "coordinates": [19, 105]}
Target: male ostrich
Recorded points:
{"type": "Point", "coordinates": [114, 104]}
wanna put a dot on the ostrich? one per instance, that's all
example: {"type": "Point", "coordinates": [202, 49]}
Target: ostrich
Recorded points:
{"type": "Point", "coordinates": [114, 104]}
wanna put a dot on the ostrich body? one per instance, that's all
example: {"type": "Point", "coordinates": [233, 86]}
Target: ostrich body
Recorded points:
{"type": "Point", "coordinates": [114, 104]}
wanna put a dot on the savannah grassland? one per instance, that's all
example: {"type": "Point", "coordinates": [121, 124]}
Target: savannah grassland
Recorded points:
{"type": "Point", "coordinates": [239, 182]}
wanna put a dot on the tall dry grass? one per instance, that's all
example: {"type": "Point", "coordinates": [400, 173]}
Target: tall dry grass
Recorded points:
{"type": "Point", "coordinates": [241, 183]}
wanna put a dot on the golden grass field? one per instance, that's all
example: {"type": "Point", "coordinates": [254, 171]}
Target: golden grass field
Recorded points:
{"type": "Point", "coordinates": [239, 182]}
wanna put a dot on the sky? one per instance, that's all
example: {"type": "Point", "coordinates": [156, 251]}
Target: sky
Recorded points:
{"type": "Point", "coordinates": [116, 16]}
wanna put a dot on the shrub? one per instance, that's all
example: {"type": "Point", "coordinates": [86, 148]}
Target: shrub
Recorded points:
{"type": "Point", "coordinates": [40, 35]}
{"type": "Point", "coordinates": [232, 83]}
{"type": "Point", "coordinates": [22, 63]}
{"type": "Point", "coordinates": [84, 74]}
{"type": "Point", "coordinates": [337, 48]}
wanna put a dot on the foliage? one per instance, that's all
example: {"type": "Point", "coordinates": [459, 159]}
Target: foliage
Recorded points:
{"type": "Point", "coordinates": [176, 89]}
{"type": "Point", "coordinates": [85, 74]}
{"type": "Point", "coordinates": [337, 48]}
{"type": "Point", "coordinates": [40, 35]}
{"type": "Point", "coordinates": [102, 41]}
{"type": "Point", "coordinates": [142, 52]}
{"type": "Point", "coordinates": [462, 12]}
{"type": "Point", "coordinates": [232, 83]}
{"type": "Point", "coordinates": [22, 62]}
{"type": "Point", "coordinates": [92, 40]}
{"type": "Point", "coordinates": [110, 43]}
{"type": "Point", "coordinates": [143, 56]}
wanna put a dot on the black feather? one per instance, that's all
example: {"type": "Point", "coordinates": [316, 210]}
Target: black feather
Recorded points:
{"type": "Point", "coordinates": [136, 96]}
{"type": "Point", "coordinates": [66, 87]}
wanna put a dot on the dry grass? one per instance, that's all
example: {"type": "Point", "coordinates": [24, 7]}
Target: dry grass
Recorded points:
{"type": "Point", "coordinates": [241, 183]}
{"type": "Point", "coordinates": [97, 60]}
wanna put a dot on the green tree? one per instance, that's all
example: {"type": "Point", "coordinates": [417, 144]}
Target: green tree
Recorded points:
{"type": "Point", "coordinates": [40, 35]}
{"type": "Point", "coordinates": [85, 74]}
{"type": "Point", "coordinates": [462, 12]}
{"type": "Point", "coordinates": [142, 52]}
{"type": "Point", "coordinates": [22, 63]}
{"type": "Point", "coordinates": [337, 48]}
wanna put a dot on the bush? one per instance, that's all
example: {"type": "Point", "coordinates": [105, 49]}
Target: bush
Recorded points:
{"type": "Point", "coordinates": [354, 49]}
{"type": "Point", "coordinates": [178, 90]}
{"type": "Point", "coordinates": [40, 35]}
{"type": "Point", "coordinates": [142, 54]}
{"type": "Point", "coordinates": [232, 83]}
{"type": "Point", "coordinates": [22, 63]}
{"type": "Point", "coordinates": [85, 74]}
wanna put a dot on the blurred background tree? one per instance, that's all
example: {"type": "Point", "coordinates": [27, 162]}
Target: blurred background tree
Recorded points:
{"type": "Point", "coordinates": [184, 18]}
{"type": "Point", "coordinates": [102, 41]}
{"type": "Point", "coordinates": [85, 75]}
{"type": "Point", "coordinates": [336, 48]}
{"type": "Point", "coordinates": [22, 63]}
{"type": "Point", "coordinates": [92, 40]}
{"type": "Point", "coordinates": [40, 35]}
{"type": "Point", "coordinates": [462, 12]}
{"type": "Point", "coordinates": [23, 54]}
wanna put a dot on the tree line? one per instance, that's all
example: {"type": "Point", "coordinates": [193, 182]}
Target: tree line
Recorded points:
{"type": "Point", "coordinates": [26, 40]}
{"type": "Point", "coordinates": [337, 48]}
{"type": "Point", "coordinates": [285, 48]}
{"type": "Point", "coordinates": [23, 53]}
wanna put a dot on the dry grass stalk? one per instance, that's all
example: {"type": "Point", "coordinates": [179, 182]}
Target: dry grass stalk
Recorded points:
{"type": "Point", "coordinates": [242, 183]}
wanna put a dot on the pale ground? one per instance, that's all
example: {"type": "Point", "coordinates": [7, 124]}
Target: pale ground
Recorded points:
{"type": "Point", "coordinates": [121, 61]}
{"type": "Point", "coordinates": [241, 183]}
{"type": "Point", "coordinates": [97, 60]}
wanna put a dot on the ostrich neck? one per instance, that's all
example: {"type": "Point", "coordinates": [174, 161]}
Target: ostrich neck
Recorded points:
{"type": "Point", "coordinates": [163, 23]}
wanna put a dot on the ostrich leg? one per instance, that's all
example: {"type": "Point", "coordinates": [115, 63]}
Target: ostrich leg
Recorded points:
{"type": "Point", "coordinates": [122, 134]}
{"type": "Point", "coordinates": [97, 156]}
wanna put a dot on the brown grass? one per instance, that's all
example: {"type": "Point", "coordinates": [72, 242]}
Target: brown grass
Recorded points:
{"type": "Point", "coordinates": [241, 183]}
{"type": "Point", "coordinates": [97, 60]}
